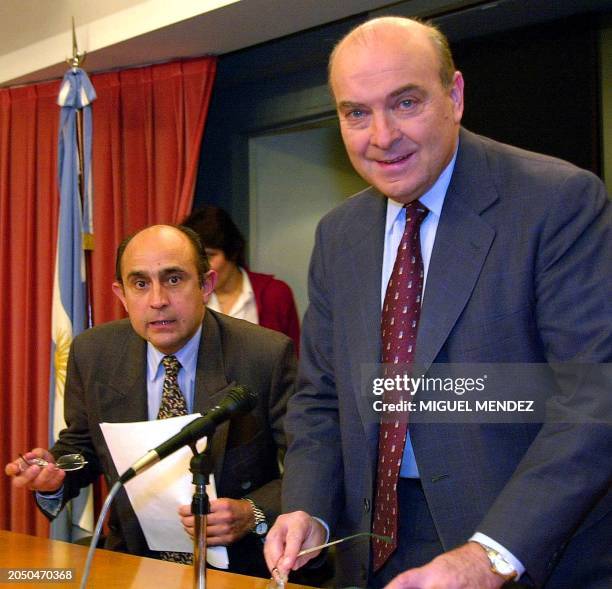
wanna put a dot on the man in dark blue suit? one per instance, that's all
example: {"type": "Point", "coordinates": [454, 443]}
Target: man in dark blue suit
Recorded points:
{"type": "Point", "coordinates": [516, 250]}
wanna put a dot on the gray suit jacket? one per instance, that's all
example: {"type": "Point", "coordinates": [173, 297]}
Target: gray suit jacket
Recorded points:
{"type": "Point", "coordinates": [520, 272]}
{"type": "Point", "coordinates": [106, 382]}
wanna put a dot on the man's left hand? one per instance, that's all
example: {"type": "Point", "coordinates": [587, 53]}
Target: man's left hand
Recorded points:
{"type": "Point", "coordinates": [228, 521]}
{"type": "Point", "coordinates": [466, 567]}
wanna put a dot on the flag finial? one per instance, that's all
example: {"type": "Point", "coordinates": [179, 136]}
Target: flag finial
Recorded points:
{"type": "Point", "coordinates": [77, 57]}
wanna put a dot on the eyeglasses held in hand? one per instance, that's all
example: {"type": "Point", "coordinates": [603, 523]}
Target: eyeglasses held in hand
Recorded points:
{"type": "Point", "coordinates": [278, 580]}
{"type": "Point", "coordinates": [66, 462]}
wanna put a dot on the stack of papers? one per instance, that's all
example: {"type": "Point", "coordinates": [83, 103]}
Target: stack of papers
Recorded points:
{"type": "Point", "coordinates": [157, 493]}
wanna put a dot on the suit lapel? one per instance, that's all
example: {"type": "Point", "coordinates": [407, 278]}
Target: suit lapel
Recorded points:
{"type": "Point", "coordinates": [366, 250]}
{"type": "Point", "coordinates": [125, 396]}
{"type": "Point", "coordinates": [463, 240]}
{"type": "Point", "coordinates": [365, 246]}
{"type": "Point", "coordinates": [211, 385]}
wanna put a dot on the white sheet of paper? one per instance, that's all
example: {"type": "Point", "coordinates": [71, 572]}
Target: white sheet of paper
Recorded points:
{"type": "Point", "coordinates": [156, 493]}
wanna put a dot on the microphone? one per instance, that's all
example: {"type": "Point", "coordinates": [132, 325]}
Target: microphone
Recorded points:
{"type": "Point", "coordinates": [239, 400]}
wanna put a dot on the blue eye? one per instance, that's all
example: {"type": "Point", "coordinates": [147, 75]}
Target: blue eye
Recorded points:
{"type": "Point", "coordinates": [355, 114]}
{"type": "Point", "coordinates": [407, 103]}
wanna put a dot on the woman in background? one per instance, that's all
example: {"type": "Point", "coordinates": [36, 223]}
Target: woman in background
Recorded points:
{"type": "Point", "coordinates": [258, 298]}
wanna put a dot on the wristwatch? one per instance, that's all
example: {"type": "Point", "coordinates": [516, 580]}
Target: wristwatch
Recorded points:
{"type": "Point", "coordinates": [499, 565]}
{"type": "Point", "coordinates": [260, 528]}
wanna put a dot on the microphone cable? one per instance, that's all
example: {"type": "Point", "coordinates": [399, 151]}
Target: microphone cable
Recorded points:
{"type": "Point", "coordinates": [96, 536]}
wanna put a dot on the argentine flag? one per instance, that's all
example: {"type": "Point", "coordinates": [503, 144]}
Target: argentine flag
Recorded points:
{"type": "Point", "coordinates": [69, 307]}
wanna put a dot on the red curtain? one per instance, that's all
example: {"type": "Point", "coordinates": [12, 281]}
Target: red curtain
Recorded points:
{"type": "Point", "coordinates": [148, 125]}
{"type": "Point", "coordinates": [147, 130]}
{"type": "Point", "coordinates": [29, 205]}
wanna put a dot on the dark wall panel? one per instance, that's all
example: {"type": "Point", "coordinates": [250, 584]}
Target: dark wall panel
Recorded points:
{"type": "Point", "coordinates": [536, 88]}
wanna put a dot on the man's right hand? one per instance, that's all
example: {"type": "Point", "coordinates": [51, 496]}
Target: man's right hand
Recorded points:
{"type": "Point", "coordinates": [291, 533]}
{"type": "Point", "coordinates": [45, 479]}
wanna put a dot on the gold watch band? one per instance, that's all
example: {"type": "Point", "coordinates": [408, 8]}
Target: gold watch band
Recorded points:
{"type": "Point", "coordinates": [499, 565]}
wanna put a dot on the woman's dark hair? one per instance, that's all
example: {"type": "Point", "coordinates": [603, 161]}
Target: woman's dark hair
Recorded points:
{"type": "Point", "coordinates": [217, 230]}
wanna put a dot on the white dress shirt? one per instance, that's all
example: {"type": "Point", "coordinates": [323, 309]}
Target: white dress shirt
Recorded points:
{"type": "Point", "coordinates": [245, 306]}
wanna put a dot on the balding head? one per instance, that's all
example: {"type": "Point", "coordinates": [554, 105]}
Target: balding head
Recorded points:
{"type": "Point", "coordinates": [192, 237]}
{"type": "Point", "coordinates": [377, 29]}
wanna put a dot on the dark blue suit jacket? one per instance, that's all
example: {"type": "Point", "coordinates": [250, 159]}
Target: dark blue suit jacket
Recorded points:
{"type": "Point", "coordinates": [519, 273]}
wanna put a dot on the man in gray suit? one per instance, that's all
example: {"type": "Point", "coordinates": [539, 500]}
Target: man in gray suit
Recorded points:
{"type": "Point", "coordinates": [116, 372]}
{"type": "Point", "coordinates": [516, 250]}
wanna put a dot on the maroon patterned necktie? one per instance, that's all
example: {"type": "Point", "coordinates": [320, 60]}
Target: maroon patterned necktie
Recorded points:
{"type": "Point", "coordinates": [399, 324]}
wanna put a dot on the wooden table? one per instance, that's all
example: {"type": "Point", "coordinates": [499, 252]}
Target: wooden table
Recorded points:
{"type": "Point", "coordinates": [109, 569]}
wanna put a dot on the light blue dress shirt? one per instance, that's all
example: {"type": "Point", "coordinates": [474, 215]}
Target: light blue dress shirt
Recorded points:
{"type": "Point", "coordinates": [433, 199]}
{"type": "Point", "coordinates": [188, 357]}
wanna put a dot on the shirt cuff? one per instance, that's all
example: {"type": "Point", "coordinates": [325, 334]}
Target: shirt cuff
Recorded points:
{"type": "Point", "coordinates": [490, 543]}
{"type": "Point", "coordinates": [50, 502]}
{"type": "Point", "coordinates": [325, 526]}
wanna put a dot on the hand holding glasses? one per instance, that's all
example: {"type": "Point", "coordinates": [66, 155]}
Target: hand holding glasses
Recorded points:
{"type": "Point", "coordinates": [278, 580]}
{"type": "Point", "coordinates": [67, 462]}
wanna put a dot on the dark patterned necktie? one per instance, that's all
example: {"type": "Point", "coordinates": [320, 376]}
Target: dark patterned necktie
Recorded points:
{"type": "Point", "coordinates": [399, 324]}
{"type": "Point", "coordinates": [173, 404]}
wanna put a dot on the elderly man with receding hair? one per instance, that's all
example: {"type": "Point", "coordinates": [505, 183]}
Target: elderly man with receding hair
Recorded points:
{"type": "Point", "coordinates": [463, 251]}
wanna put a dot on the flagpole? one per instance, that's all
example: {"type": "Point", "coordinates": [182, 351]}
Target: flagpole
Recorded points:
{"type": "Point", "coordinates": [77, 59]}
{"type": "Point", "coordinates": [71, 307]}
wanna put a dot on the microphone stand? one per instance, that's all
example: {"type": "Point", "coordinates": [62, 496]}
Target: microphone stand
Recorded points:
{"type": "Point", "coordinates": [201, 466]}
